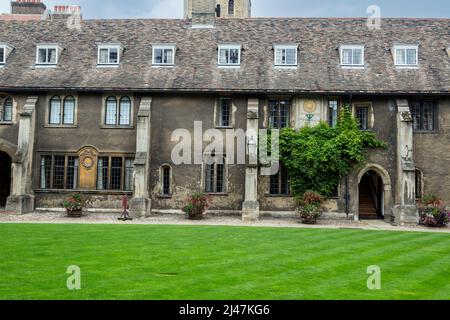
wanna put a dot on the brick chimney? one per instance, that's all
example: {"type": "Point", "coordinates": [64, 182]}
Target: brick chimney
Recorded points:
{"type": "Point", "coordinates": [28, 7]}
{"type": "Point", "coordinates": [63, 11]}
{"type": "Point", "coordinates": [203, 13]}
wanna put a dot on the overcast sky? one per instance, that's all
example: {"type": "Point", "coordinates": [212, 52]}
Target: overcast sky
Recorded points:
{"type": "Point", "coordinates": [261, 8]}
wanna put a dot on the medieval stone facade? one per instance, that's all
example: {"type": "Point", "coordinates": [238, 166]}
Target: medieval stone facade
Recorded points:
{"type": "Point", "coordinates": [95, 109]}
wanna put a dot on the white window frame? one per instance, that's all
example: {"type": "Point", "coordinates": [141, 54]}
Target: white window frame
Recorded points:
{"type": "Point", "coordinates": [285, 47]}
{"type": "Point", "coordinates": [109, 47]}
{"type": "Point", "coordinates": [229, 47]}
{"type": "Point", "coordinates": [55, 47]}
{"type": "Point", "coordinates": [406, 47]}
{"type": "Point", "coordinates": [352, 47]}
{"type": "Point", "coordinates": [163, 47]}
{"type": "Point", "coordinates": [3, 61]}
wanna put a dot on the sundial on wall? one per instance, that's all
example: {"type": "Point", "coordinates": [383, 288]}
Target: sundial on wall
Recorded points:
{"type": "Point", "coordinates": [310, 106]}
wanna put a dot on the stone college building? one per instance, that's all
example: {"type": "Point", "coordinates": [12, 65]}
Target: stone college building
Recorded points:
{"type": "Point", "coordinates": [89, 106]}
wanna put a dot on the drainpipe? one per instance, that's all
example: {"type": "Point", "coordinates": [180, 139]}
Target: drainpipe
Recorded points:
{"type": "Point", "coordinates": [347, 197]}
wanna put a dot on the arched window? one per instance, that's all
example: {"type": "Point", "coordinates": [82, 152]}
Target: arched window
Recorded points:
{"type": "Point", "coordinates": [69, 110]}
{"type": "Point", "coordinates": [55, 110]}
{"type": "Point", "coordinates": [166, 177]}
{"type": "Point", "coordinates": [111, 111]}
{"type": "Point", "coordinates": [231, 7]}
{"type": "Point", "coordinates": [6, 109]}
{"type": "Point", "coordinates": [419, 184]}
{"type": "Point", "coordinates": [125, 111]}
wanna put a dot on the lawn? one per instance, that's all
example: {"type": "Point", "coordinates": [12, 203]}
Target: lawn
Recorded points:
{"type": "Point", "coordinates": [190, 262]}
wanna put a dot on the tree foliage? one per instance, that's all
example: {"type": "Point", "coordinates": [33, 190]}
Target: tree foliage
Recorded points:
{"type": "Point", "coordinates": [317, 157]}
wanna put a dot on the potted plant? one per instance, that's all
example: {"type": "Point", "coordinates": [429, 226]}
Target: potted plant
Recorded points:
{"type": "Point", "coordinates": [309, 207]}
{"type": "Point", "coordinates": [432, 212]}
{"type": "Point", "coordinates": [196, 206]}
{"type": "Point", "coordinates": [74, 206]}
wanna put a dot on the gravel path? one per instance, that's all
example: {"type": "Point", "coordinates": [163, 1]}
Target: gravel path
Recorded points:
{"type": "Point", "coordinates": [61, 218]}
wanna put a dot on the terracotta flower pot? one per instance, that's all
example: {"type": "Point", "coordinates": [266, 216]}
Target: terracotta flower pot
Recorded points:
{"type": "Point", "coordinates": [75, 213]}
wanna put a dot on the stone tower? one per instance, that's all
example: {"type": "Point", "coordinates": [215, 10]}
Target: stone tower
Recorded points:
{"type": "Point", "coordinates": [224, 8]}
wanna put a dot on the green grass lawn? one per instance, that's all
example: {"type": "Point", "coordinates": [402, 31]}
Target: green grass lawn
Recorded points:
{"type": "Point", "coordinates": [126, 262]}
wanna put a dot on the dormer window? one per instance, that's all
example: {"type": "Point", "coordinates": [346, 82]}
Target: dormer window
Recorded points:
{"type": "Point", "coordinates": [108, 54]}
{"type": "Point", "coordinates": [163, 55]}
{"type": "Point", "coordinates": [229, 55]}
{"type": "Point", "coordinates": [2, 54]}
{"type": "Point", "coordinates": [352, 55]}
{"type": "Point", "coordinates": [285, 55]}
{"type": "Point", "coordinates": [47, 54]}
{"type": "Point", "coordinates": [406, 55]}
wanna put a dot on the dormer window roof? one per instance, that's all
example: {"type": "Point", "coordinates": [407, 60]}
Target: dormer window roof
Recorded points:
{"type": "Point", "coordinates": [229, 55]}
{"type": "Point", "coordinates": [5, 50]}
{"type": "Point", "coordinates": [285, 54]}
{"type": "Point", "coordinates": [109, 54]}
{"type": "Point", "coordinates": [406, 55]}
{"type": "Point", "coordinates": [163, 54]}
{"type": "Point", "coordinates": [352, 55]}
{"type": "Point", "coordinates": [47, 54]}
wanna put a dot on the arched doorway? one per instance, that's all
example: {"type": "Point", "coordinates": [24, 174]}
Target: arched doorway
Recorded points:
{"type": "Point", "coordinates": [371, 196]}
{"type": "Point", "coordinates": [5, 177]}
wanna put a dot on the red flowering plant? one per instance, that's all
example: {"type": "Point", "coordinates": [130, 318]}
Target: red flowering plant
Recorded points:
{"type": "Point", "coordinates": [73, 204]}
{"type": "Point", "coordinates": [432, 212]}
{"type": "Point", "coordinates": [196, 205]}
{"type": "Point", "coordinates": [309, 206]}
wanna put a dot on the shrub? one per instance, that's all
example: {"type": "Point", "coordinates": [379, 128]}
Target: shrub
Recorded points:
{"type": "Point", "coordinates": [432, 212]}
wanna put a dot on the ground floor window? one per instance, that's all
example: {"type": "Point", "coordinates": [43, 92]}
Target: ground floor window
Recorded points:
{"type": "Point", "coordinates": [115, 173]}
{"type": "Point", "coordinates": [333, 112]}
{"type": "Point", "coordinates": [279, 183]}
{"type": "Point", "coordinates": [59, 172]}
{"type": "Point", "coordinates": [419, 184]}
{"type": "Point", "coordinates": [165, 180]}
{"type": "Point", "coordinates": [215, 174]}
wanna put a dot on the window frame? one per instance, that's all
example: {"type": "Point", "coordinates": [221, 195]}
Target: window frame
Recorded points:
{"type": "Point", "coordinates": [229, 47]}
{"type": "Point", "coordinates": [285, 47]}
{"type": "Point", "coordinates": [3, 60]}
{"type": "Point", "coordinates": [163, 47]}
{"type": "Point", "coordinates": [220, 114]}
{"type": "Point", "coordinates": [215, 163]}
{"type": "Point", "coordinates": [123, 172]}
{"type": "Point", "coordinates": [435, 116]}
{"type": "Point", "coordinates": [62, 110]}
{"type": "Point", "coordinates": [367, 119]}
{"type": "Point", "coordinates": [231, 7]}
{"type": "Point", "coordinates": [51, 182]}
{"type": "Point", "coordinates": [280, 175]}
{"type": "Point", "coordinates": [117, 47]}
{"type": "Point", "coordinates": [406, 47]}
{"type": "Point", "coordinates": [352, 47]}
{"type": "Point", "coordinates": [331, 121]}
{"type": "Point", "coordinates": [419, 183]}
{"type": "Point", "coordinates": [3, 100]}
{"type": "Point", "coordinates": [118, 99]}
{"type": "Point", "coordinates": [47, 47]}
{"type": "Point", "coordinates": [162, 181]}
{"type": "Point", "coordinates": [289, 110]}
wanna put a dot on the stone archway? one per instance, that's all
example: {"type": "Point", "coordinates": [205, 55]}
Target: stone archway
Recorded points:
{"type": "Point", "coordinates": [386, 189]}
{"type": "Point", "coordinates": [5, 177]}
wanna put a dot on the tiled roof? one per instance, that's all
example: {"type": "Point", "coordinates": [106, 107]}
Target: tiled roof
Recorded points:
{"type": "Point", "coordinates": [196, 59]}
{"type": "Point", "coordinates": [20, 17]}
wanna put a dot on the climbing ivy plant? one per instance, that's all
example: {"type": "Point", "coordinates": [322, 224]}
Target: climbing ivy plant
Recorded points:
{"type": "Point", "coordinates": [317, 157]}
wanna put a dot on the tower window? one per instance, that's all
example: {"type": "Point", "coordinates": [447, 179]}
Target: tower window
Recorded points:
{"type": "Point", "coordinates": [231, 7]}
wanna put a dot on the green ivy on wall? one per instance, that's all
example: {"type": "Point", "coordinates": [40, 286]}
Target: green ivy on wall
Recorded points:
{"type": "Point", "coordinates": [317, 157]}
